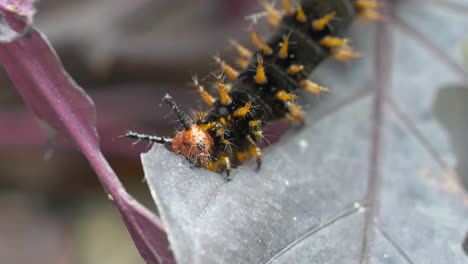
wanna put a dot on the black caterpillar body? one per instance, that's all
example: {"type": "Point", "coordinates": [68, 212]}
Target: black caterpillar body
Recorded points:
{"type": "Point", "coordinates": [228, 134]}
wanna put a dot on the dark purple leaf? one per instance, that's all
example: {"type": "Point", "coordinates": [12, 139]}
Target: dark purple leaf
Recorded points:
{"type": "Point", "coordinates": [370, 178]}
{"type": "Point", "coordinates": [54, 97]}
{"type": "Point", "coordinates": [12, 10]}
{"type": "Point", "coordinates": [46, 87]}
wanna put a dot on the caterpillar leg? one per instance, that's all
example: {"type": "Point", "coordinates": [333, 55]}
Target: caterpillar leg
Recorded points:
{"type": "Point", "coordinates": [226, 163]}
{"type": "Point", "coordinates": [255, 152]}
{"type": "Point", "coordinates": [295, 113]}
{"type": "Point", "coordinates": [149, 138]}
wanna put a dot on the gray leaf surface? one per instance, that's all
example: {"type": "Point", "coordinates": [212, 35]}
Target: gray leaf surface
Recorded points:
{"type": "Point", "coordinates": [369, 179]}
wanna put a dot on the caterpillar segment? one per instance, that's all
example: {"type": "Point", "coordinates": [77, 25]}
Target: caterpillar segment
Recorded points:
{"type": "Point", "coordinates": [229, 133]}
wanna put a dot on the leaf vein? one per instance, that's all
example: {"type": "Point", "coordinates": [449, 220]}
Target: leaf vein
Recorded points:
{"type": "Point", "coordinates": [314, 230]}
{"type": "Point", "coordinates": [394, 244]}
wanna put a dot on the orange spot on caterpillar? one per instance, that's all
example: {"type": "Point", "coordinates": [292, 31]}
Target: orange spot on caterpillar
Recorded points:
{"type": "Point", "coordinates": [211, 165]}
{"type": "Point", "coordinates": [243, 51]}
{"type": "Point", "coordinates": [242, 156]}
{"type": "Point", "coordinates": [283, 53]}
{"type": "Point", "coordinates": [273, 15]}
{"type": "Point", "coordinates": [201, 115]}
{"type": "Point", "coordinates": [368, 4]}
{"type": "Point", "coordinates": [222, 120]}
{"type": "Point", "coordinates": [370, 15]}
{"type": "Point", "coordinates": [300, 15]}
{"type": "Point", "coordinates": [319, 24]}
{"type": "Point", "coordinates": [259, 43]}
{"type": "Point", "coordinates": [293, 69]}
{"type": "Point", "coordinates": [224, 159]}
{"type": "Point", "coordinates": [312, 87]}
{"type": "Point", "coordinates": [368, 11]}
{"type": "Point", "coordinates": [329, 41]}
{"type": "Point", "coordinates": [243, 111]}
{"type": "Point", "coordinates": [209, 100]}
{"type": "Point", "coordinates": [220, 132]}
{"type": "Point", "coordinates": [344, 53]}
{"type": "Point", "coordinates": [230, 72]}
{"type": "Point", "coordinates": [257, 133]}
{"type": "Point", "coordinates": [284, 96]}
{"type": "Point", "coordinates": [208, 126]}
{"type": "Point", "coordinates": [260, 76]}
{"type": "Point", "coordinates": [287, 7]}
{"type": "Point", "coordinates": [242, 63]}
{"type": "Point", "coordinates": [255, 123]}
{"type": "Point", "coordinates": [223, 91]}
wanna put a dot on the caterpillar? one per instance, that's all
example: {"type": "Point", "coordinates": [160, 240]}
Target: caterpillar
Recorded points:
{"type": "Point", "coordinates": [265, 89]}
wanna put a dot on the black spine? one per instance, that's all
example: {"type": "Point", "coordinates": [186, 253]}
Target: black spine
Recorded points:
{"type": "Point", "coordinates": [149, 138]}
{"type": "Point", "coordinates": [180, 115]}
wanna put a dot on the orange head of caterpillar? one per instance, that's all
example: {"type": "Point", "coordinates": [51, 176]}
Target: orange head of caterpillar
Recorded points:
{"type": "Point", "coordinates": [195, 144]}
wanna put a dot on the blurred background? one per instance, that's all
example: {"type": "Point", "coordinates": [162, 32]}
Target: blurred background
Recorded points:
{"type": "Point", "coordinates": [126, 54]}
